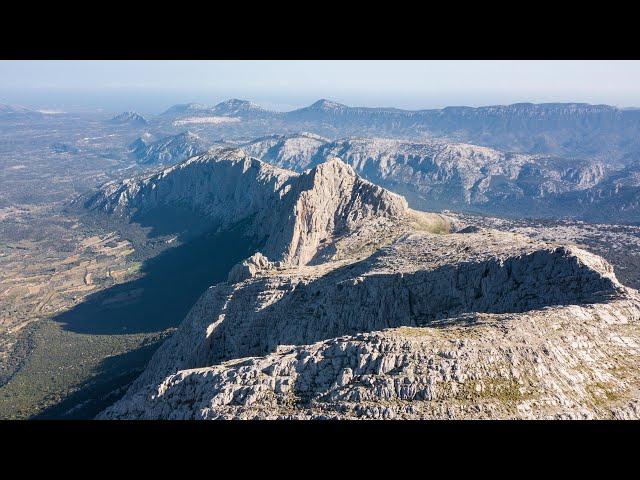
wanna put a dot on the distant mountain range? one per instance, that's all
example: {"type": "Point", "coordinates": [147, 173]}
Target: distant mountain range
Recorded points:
{"type": "Point", "coordinates": [552, 128]}
{"type": "Point", "coordinates": [566, 129]}
{"type": "Point", "coordinates": [435, 175]}
{"type": "Point", "coordinates": [441, 175]}
{"type": "Point", "coordinates": [18, 111]}
{"type": "Point", "coordinates": [232, 107]}
{"type": "Point", "coordinates": [546, 160]}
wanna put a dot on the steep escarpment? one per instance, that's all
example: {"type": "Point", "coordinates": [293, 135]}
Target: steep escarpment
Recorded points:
{"type": "Point", "coordinates": [445, 175]}
{"type": "Point", "coordinates": [463, 320]}
{"type": "Point", "coordinates": [356, 306]}
{"type": "Point", "coordinates": [299, 216]}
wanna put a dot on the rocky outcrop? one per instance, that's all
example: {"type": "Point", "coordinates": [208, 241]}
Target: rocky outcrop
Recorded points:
{"type": "Point", "coordinates": [480, 366]}
{"type": "Point", "coordinates": [436, 174]}
{"type": "Point", "coordinates": [250, 267]}
{"type": "Point", "coordinates": [301, 217]}
{"type": "Point", "coordinates": [471, 325]}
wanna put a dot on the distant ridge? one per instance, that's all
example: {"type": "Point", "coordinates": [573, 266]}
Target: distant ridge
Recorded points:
{"type": "Point", "coordinates": [231, 107]}
{"type": "Point", "coordinates": [184, 108]}
{"type": "Point", "coordinates": [168, 150]}
{"type": "Point", "coordinates": [131, 118]}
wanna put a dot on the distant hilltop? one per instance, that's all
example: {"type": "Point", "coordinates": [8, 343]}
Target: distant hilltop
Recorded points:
{"type": "Point", "coordinates": [129, 118]}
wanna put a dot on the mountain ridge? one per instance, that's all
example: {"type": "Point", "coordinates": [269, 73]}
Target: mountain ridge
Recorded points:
{"type": "Point", "coordinates": [574, 129]}
{"type": "Point", "coordinates": [302, 215]}
{"type": "Point", "coordinates": [131, 118]}
{"type": "Point", "coordinates": [445, 175]}
{"type": "Point", "coordinates": [356, 306]}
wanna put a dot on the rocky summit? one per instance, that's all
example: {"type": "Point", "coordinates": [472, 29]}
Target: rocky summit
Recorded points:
{"type": "Point", "coordinates": [131, 118]}
{"type": "Point", "coordinates": [302, 217]}
{"type": "Point", "coordinates": [357, 306]}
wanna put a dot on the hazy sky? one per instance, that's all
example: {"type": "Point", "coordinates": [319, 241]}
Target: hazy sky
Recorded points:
{"type": "Point", "coordinates": [152, 86]}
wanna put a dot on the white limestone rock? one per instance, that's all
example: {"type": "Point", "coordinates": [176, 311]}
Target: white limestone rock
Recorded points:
{"type": "Point", "coordinates": [249, 268]}
{"type": "Point", "coordinates": [299, 214]}
{"type": "Point", "coordinates": [469, 325]}
{"type": "Point", "coordinates": [440, 174]}
{"type": "Point", "coordinates": [359, 307]}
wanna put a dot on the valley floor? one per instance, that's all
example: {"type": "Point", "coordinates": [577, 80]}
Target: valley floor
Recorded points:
{"type": "Point", "coordinates": [85, 304]}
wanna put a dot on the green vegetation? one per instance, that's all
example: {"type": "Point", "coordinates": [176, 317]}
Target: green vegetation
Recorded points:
{"type": "Point", "coordinates": [504, 390]}
{"type": "Point", "coordinates": [84, 368]}
{"type": "Point", "coordinates": [134, 268]}
{"type": "Point", "coordinates": [603, 393]}
{"type": "Point", "coordinates": [429, 222]}
{"type": "Point", "coordinates": [414, 331]}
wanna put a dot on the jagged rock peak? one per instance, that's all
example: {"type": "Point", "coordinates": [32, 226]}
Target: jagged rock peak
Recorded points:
{"type": "Point", "coordinates": [250, 267]}
{"type": "Point", "coordinates": [301, 215]}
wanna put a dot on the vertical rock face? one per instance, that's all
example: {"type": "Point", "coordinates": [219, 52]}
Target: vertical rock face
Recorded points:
{"type": "Point", "coordinates": [332, 201]}
{"type": "Point", "coordinates": [356, 308]}
{"type": "Point", "coordinates": [296, 213]}
{"type": "Point", "coordinates": [437, 174]}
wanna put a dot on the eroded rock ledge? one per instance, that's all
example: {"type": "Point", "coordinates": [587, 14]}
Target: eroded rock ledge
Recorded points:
{"type": "Point", "coordinates": [470, 325]}
{"type": "Point", "coordinates": [303, 217]}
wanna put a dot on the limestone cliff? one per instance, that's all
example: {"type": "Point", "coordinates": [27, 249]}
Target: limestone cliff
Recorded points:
{"type": "Point", "coordinates": [466, 325]}
{"type": "Point", "coordinates": [301, 216]}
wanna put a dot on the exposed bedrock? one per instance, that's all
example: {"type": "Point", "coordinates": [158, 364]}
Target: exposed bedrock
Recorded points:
{"type": "Point", "coordinates": [354, 299]}
{"type": "Point", "coordinates": [405, 284]}
{"type": "Point", "coordinates": [358, 307]}
{"type": "Point", "coordinates": [298, 214]}
{"type": "Point", "coordinates": [532, 365]}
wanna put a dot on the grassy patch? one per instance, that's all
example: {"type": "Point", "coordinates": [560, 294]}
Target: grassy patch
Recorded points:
{"type": "Point", "coordinates": [503, 390]}
{"type": "Point", "coordinates": [429, 222]}
{"type": "Point", "coordinates": [134, 268]}
{"type": "Point", "coordinates": [603, 394]}
{"type": "Point", "coordinates": [414, 332]}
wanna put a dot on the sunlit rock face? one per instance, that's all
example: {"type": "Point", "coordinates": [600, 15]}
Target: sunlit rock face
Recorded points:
{"type": "Point", "coordinates": [359, 307]}
{"type": "Point", "coordinates": [445, 175]}
{"type": "Point", "coordinates": [300, 215]}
